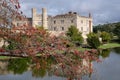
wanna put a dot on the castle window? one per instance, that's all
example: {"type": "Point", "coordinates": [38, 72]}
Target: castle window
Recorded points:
{"type": "Point", "coordinates": [81, 28]}
{"type": "Point", "coordinates": [62, 21]}
{"type": "Point", "coordinates": [54, 21]}
{"type": "Point", "coordinates": [62, 28]}
{"type": "Point", "coordinates": [18, 24]}
{"type": "Point", "coordinates": [39, 23]}
{"type": "Point", "coordinates": [72, 21]}
{"type": "Point", "coordinates": [55, 28]}
{"type": "Point", "coordinates": [81, 21]}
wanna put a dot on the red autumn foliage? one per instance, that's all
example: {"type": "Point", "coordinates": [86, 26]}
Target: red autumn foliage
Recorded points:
{"type": "Point", "coordinates": [9, 11]}
{"type": "Point", "coordinates": [2, 50]}
{"type": "Point", "coordinates": [29, 41]}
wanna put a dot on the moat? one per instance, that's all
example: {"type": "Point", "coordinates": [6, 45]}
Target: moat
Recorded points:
{"type": "Point", "coordinates": [22, 69]}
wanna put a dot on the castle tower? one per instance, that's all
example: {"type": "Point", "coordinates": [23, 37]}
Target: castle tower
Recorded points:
{"type": "Point", "coordinates": [89, 15]}
{"type": "Point", "coordinates": [44, 18]}
{"type": "Point", "coordinates": [34, 13]}
{"type": "Point", "coordinates": [90, 23]}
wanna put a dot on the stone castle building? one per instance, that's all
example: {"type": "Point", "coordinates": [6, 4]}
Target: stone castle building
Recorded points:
{"type": "Point", "coordinates": [61, 23]}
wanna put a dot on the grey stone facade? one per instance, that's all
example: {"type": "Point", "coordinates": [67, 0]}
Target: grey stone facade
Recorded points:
{"type": "Point", "coordinates": [61, 23]}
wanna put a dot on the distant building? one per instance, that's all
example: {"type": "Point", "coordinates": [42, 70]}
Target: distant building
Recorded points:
{"type": "Point", "coordinates": [61, 23]}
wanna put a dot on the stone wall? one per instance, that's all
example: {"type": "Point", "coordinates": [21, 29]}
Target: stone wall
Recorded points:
{"type": "Point", "coordinates": [61, 23]}
{"type": "Point", "coordinates": [36, 18]}
{"type": "Point", "coordinates": [64, 21]}
{"type": "Point", "coordinates": [44, 18]}
{"type": "Point", "coordinates": [83, 24]}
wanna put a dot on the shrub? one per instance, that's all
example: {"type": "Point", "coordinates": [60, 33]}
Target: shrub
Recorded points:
{"type": "Point", "coordinates": [93, 40]}
{"type": "Point", "coordinates": [74, 35]}
{"type": "Point", "coordinates": [106, 37]}
{"type": "Point", "coordinates": [117, 31]}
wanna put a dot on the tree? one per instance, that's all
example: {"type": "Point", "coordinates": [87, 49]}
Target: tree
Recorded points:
{"type": "Point", "coordinates": [18, 65]}
{"type": "Point", "coordinates": [109, 27]}
{"type": "Point", "coordinates": [93, 40]}
{"type": "Point", "coordinates": [27, 41]}
{"type": "Point", "coordinates": [117, 30]}
{"type": "Point", "coordinates": [75, 35]}
{"type": "Point", "coordinates": [106, 37]}
{"type": "Point", "coordinates": [9, 11]}
{"type": "Point", "coordinates": [105, 53]}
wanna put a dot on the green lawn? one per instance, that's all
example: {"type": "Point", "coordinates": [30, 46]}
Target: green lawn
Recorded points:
{"type": "Point", "coordinates": [4, 57]}
{"type": "Point", "coordinates": [109, 45]}
{"type": "Point", "coordinates": [82, 49]}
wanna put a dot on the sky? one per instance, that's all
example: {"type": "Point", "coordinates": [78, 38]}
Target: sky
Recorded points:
{"type": "Point", "coordinates": [103, 11]}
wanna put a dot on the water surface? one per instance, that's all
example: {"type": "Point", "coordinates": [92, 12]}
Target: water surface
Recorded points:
{"type": "Point", "coordinates": [21, 69]}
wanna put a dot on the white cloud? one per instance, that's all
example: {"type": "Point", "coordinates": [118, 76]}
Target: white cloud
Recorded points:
{"type": "Point", "coordinates": [102, 10]}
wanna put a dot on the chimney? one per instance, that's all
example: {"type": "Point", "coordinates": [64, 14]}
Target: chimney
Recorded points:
{"type": "Point", "coordinates": [90, 15]}
{"type": "Point", "coordinates": [70, 12]}
{"type": "Point", "coordinates": [75, 13]}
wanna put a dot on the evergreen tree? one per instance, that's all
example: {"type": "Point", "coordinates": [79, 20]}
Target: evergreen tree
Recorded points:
{"type": "Point", "coordinates": [74, 35]}
{"type": "Point", "coordinates": [93, 40]}
{"type": "Point", "coordinates": [117, 31]}
{"type": "Point", "coordinates": [106, 37]}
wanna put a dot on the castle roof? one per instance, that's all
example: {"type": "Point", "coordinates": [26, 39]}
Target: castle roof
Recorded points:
{"type": "Point", "coordinates": [29, 19]}
{"type": "Point", "coordinates": [69, 14]}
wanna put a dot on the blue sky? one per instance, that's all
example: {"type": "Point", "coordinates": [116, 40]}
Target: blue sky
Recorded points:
{"type": "Point", "coordinates": [103, 11]}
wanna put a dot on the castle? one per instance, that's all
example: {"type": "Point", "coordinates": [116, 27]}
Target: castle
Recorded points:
{"type": "Point", "coordinates": [60, 23]}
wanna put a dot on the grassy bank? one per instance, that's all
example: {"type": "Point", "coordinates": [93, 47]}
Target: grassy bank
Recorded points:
{"type": "Point", "coordinates": [104, 46]}
{"type": "Point", "coordinates": [4, 57]}
{"type": "Point", "coordinates": [82, 49]}
{"type": "Point", "coordinates": [8, 57]}
{"type": "Point", "coordinates": [109, 45]}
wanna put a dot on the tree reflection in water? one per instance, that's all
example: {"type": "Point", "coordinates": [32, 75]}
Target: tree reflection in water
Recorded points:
{"type": "Point", "coordinates": [105, 53]}
{"type": "Point", "coordinates": [117, 50]}
{"type": "Point", "coordinates": [68, 65]}
{"type": "Point", "coordinates": [40, 68]}
{"type": "Point", "coordinates": [18, 65]}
